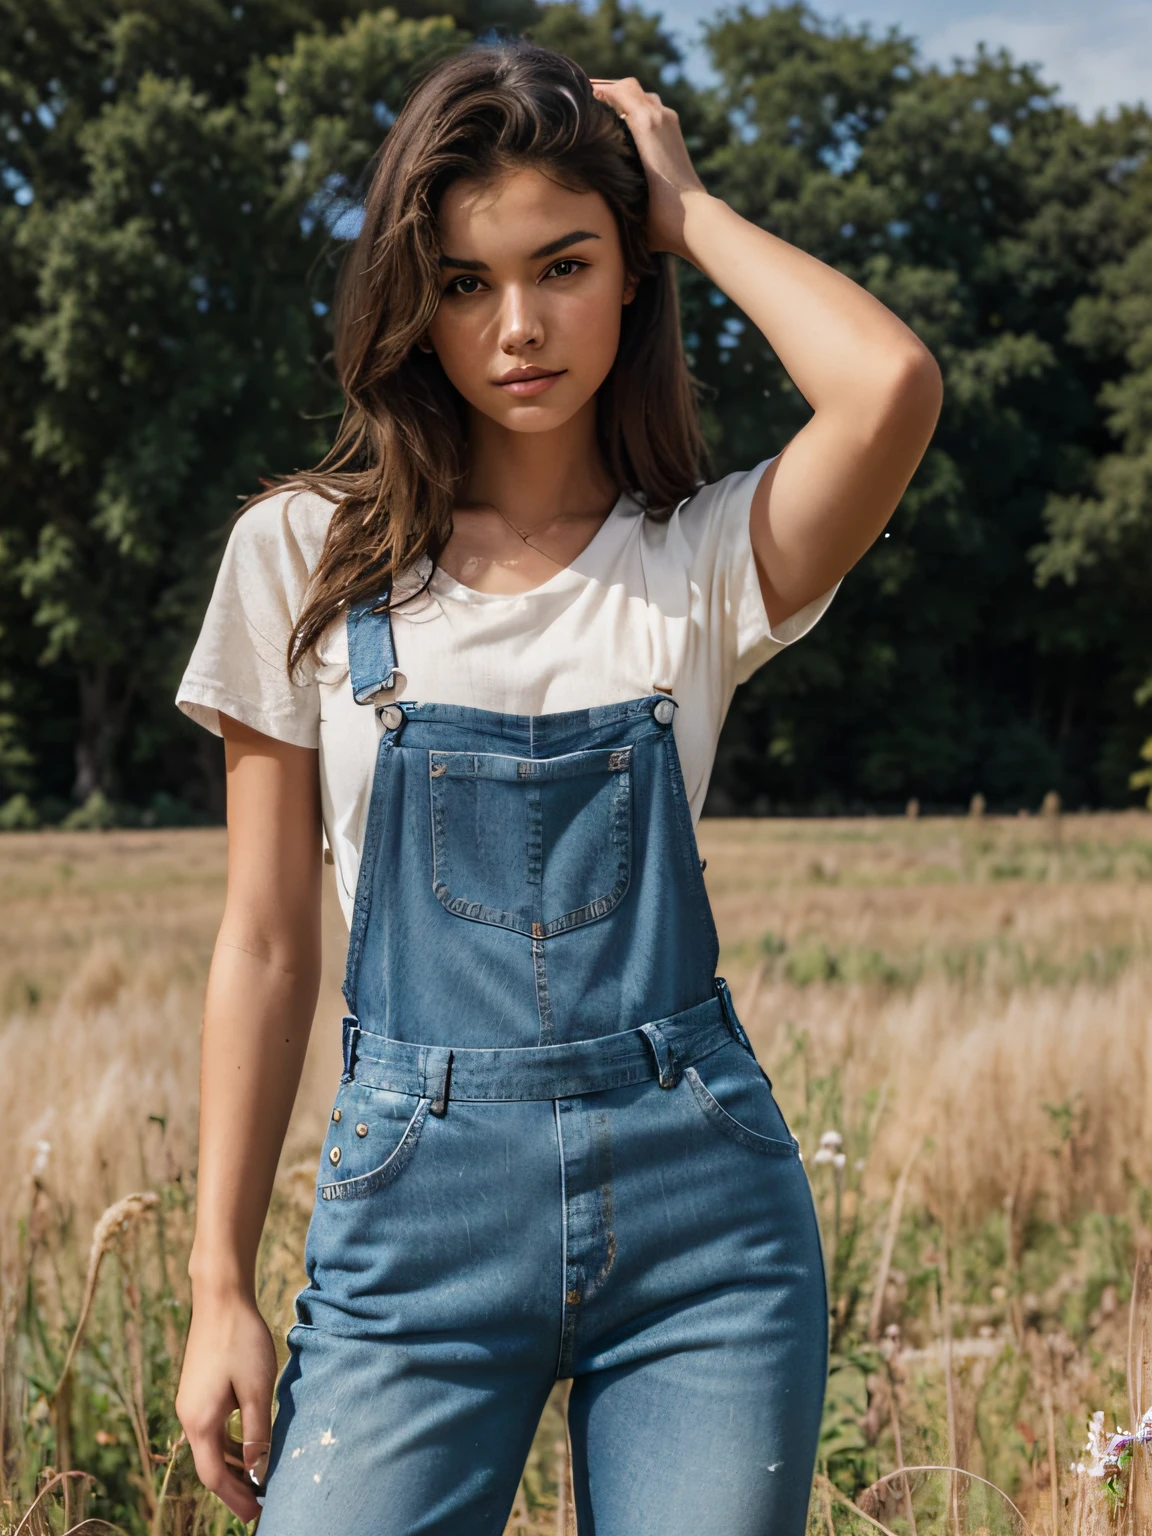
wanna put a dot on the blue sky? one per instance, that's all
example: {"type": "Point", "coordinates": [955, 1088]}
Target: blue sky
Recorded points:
{"type": "Point", "coordinates": [1099, 53]}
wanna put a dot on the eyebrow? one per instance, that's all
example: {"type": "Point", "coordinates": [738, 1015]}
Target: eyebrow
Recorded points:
{"type": "Point", "coordinates": [550, 249]}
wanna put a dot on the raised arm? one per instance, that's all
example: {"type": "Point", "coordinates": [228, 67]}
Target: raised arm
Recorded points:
{"type": "Point", "coordinates": [261, 997]}
{"type": "Point", "coordinates": [874, 388]}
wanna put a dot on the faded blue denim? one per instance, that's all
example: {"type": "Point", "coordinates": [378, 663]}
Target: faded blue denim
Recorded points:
{"type": "Point", "coordinates": [552, 1154]}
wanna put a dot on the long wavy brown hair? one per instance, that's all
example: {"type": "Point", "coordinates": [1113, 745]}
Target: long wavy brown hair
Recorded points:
{"type": "Point", "coordinates": [396, 466]}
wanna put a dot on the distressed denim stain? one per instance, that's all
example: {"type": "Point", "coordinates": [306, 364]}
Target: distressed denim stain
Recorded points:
{"type": "Point", "coordinates": [552, 1154]}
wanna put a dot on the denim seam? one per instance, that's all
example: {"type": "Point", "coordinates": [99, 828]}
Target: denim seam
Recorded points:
{"type": "Point", "coordinates": [362, 901]}
{"type": "Point", "coordinates": [390, 1169]}
{"type": "Point", "coordinates": [519, 757]}
{"type": "Point", "coordinates": [715, 1112]}
{"type": "Point", "coordinates": [563, 1238]}
{"type": "Point", "coordinates": [547, 1035]}
{"type": "Point", "coordinates": [684, 813]}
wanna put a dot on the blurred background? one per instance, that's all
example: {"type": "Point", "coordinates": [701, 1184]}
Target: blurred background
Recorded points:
{"type": "Point", "coordinates": [952, 1002]}
{"type": "Point", "coordinates": [177, 184]}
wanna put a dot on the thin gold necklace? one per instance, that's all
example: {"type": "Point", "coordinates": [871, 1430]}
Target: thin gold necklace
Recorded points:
{"type": "Point", "coordinates": [561, 517]}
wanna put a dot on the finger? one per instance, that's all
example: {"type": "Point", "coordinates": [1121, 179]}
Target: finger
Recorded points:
{"type": "Point", "coordinates": [627, 89]}
{"type": "Point", "coordinates": [211, 1460]}
{"type": "Point", "coordinates": [256, 1419]}
{"type": "Point", "coordinates": [630, 101]}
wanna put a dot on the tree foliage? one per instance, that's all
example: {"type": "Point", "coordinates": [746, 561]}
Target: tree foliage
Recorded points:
{"type": "Point", "coordinates": [178, 182]}
{"type": "Point", "coordinates": [982, 213]}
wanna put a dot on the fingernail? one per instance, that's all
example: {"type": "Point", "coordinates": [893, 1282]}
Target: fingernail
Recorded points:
{"type": "Point", "coordinates": [260, 1467]}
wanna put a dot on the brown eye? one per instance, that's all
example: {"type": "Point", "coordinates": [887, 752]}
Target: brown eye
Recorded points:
{"type": "Point", "coordinates": [565, 267]}
{"type": "Point", "coordinates": [454, 285]}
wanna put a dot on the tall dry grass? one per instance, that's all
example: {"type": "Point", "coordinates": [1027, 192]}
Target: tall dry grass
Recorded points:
{"type": "Point", "coordinates": [965, 1004]}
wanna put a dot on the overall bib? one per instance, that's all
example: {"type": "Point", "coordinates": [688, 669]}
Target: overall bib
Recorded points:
{"type": "Point", "coordinates": [552, 1154]}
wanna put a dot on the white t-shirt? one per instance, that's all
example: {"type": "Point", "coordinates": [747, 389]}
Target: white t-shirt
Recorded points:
{"type": "Point", "coordinates": [673, 606]}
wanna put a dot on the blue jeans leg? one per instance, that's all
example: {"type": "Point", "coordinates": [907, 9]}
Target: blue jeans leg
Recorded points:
{"type": "Point", "coordinates": [372, 1439]}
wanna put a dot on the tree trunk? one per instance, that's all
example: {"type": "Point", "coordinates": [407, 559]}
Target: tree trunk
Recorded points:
{"type": "Point", "coordinates": [104, 703]}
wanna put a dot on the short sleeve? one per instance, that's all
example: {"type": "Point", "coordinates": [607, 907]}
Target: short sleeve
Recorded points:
{"type": "Point", "coordinates": [239, 663]}
{"type": "Point", "coordinates": [716, 525]}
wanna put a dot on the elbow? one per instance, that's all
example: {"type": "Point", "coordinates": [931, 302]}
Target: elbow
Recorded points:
{"type": "Point", "coordinates": [915, 390]}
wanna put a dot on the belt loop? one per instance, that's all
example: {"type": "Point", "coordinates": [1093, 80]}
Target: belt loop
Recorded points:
{"type": "Point", "coordinates": [736, 1029]}
{"type": "Point", "coordinates": [435, 1070]}
{"type": "Point", "coordinates": [350, 1030]}
{"type": "Point", "coordinates": [667, 1067]}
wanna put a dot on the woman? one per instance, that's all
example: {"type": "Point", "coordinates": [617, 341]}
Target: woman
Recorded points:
{"type": "Point", "coordinates": [488, 647]}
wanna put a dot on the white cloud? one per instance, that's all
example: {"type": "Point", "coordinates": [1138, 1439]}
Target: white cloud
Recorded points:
{"type": "Point", "coordinates": [1098, 60]}
{"type": "Point", "coordinates": [1099, 56]}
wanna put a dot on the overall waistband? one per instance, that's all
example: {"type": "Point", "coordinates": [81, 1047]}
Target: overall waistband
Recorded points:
{"type": "Point", "coordinates": [659, 1049]}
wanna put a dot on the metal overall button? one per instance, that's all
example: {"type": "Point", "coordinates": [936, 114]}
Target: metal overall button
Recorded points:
{"type": "Point", "coordinates": [664, 711]}
{"type": "Point", "coordinates": [337, 1115]}
{"type": "Point", "coordinates": [391, 716]}
{"type": "Point", "coordinates": [334, 1156]}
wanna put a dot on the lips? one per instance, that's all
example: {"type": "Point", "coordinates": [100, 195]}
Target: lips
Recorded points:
{"type": "Point", "coordinates": [529, 381]}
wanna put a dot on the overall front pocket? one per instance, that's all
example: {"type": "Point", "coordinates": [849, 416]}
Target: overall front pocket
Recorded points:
{"type": "Point", "coordinates": [371, 1139]}
{"type": "Point", "coordinates": [538, 845]}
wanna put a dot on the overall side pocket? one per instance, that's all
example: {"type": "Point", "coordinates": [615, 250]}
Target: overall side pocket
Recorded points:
{"type": "Point", "coordinates": [372, 1138]}
{"type": "Point", "coordinates": [735, 1097]}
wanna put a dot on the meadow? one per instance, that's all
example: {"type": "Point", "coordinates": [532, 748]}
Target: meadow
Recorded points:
{"type": "Point", "coordinates": [955, 1015]}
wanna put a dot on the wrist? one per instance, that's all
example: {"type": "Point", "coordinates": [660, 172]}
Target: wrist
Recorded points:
{"type": "Point", "coordinates": [698, 205]}
{"type": "Point", "coordinates": [220, 1276]}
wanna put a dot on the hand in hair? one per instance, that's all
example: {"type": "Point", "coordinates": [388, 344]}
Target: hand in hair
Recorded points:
{"type": "Point", "coordinates": [655, 130]}
{"type": "Point", "coordinates": [874, 388]}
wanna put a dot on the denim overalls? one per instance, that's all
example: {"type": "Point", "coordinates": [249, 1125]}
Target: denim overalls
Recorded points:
{"type": "Point", "coordinates": [552, 1154]}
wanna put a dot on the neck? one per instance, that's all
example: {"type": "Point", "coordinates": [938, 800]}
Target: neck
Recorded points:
{"type": "Point", "coordinates": [532, 478]}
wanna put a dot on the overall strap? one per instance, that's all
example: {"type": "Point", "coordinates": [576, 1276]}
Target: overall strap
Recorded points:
{"type": "Point", "coordinates": [371, 650]}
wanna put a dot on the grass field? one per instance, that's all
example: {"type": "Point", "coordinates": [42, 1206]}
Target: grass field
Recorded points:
{"type": "Point", "coordinates": [963, 1004]}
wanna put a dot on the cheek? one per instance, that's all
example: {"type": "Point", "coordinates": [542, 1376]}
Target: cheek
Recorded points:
{"type": "Point", "coordinates": [457, 336]}
{"type": "Point", "coordinates": [591, 329]}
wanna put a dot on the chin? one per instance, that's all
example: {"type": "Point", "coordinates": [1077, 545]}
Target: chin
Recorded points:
{"type": "Point", "coordinates": [535, 421]}
{"type": "Point", "coordinates": [544, 416]}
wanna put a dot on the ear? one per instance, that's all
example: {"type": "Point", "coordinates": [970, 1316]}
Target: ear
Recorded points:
{"type": "Point", "coordinates": [425, 345]}
{"type": "Point", "coordinates": [630, 286]}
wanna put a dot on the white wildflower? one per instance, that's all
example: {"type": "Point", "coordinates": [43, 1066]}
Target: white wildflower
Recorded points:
{"type": "Point", "coordinates": [1096, 1445]}
{"type": "Point", "coordinates": [832, 1140]}
{"type": "Point", "coordinates": [838, 1161]}
{"type": "Point", "coordinates": [823, 1155]}
{"type": "Point", "coordinates": [40, 1162]}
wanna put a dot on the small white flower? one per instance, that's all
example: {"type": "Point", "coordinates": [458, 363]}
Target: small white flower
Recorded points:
{"type": "Point", "coordinates": [1096, 1444]}
{"type": "Point", "coordinates": [838, 1161]}
{"type": "Point", "coordinates": [832, 1139]}
{"type": "Point", "coordinates": [823, 1155]}
{"type": "Point", "coordinates": [40, 1162]}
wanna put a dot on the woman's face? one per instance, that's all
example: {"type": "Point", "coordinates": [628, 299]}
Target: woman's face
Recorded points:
{"type": "Point", "coordinates": [532, 284]}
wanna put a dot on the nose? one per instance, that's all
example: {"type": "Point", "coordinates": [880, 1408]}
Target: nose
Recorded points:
{"type": "Point", "coordinates": [520, 322]}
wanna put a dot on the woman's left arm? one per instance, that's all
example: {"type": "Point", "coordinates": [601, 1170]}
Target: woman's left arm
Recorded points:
{"type": "Point", "coordinates": [874, 388]}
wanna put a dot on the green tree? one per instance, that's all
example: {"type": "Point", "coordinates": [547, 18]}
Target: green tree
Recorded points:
{"type": "Point", "coordinates": [981, 211]}
{"type": "Point", "coordinates": [178, 180]}
{"type": "Point", "coordinates": [174, 183]}
{"type": "Point", "coordinates": [1100, 536]}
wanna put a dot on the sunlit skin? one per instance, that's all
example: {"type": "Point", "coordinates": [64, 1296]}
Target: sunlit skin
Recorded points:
{"type": "Point", "coordinates": [533, 465]}
{"type": "Point", "coordinates": [533, 287]}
